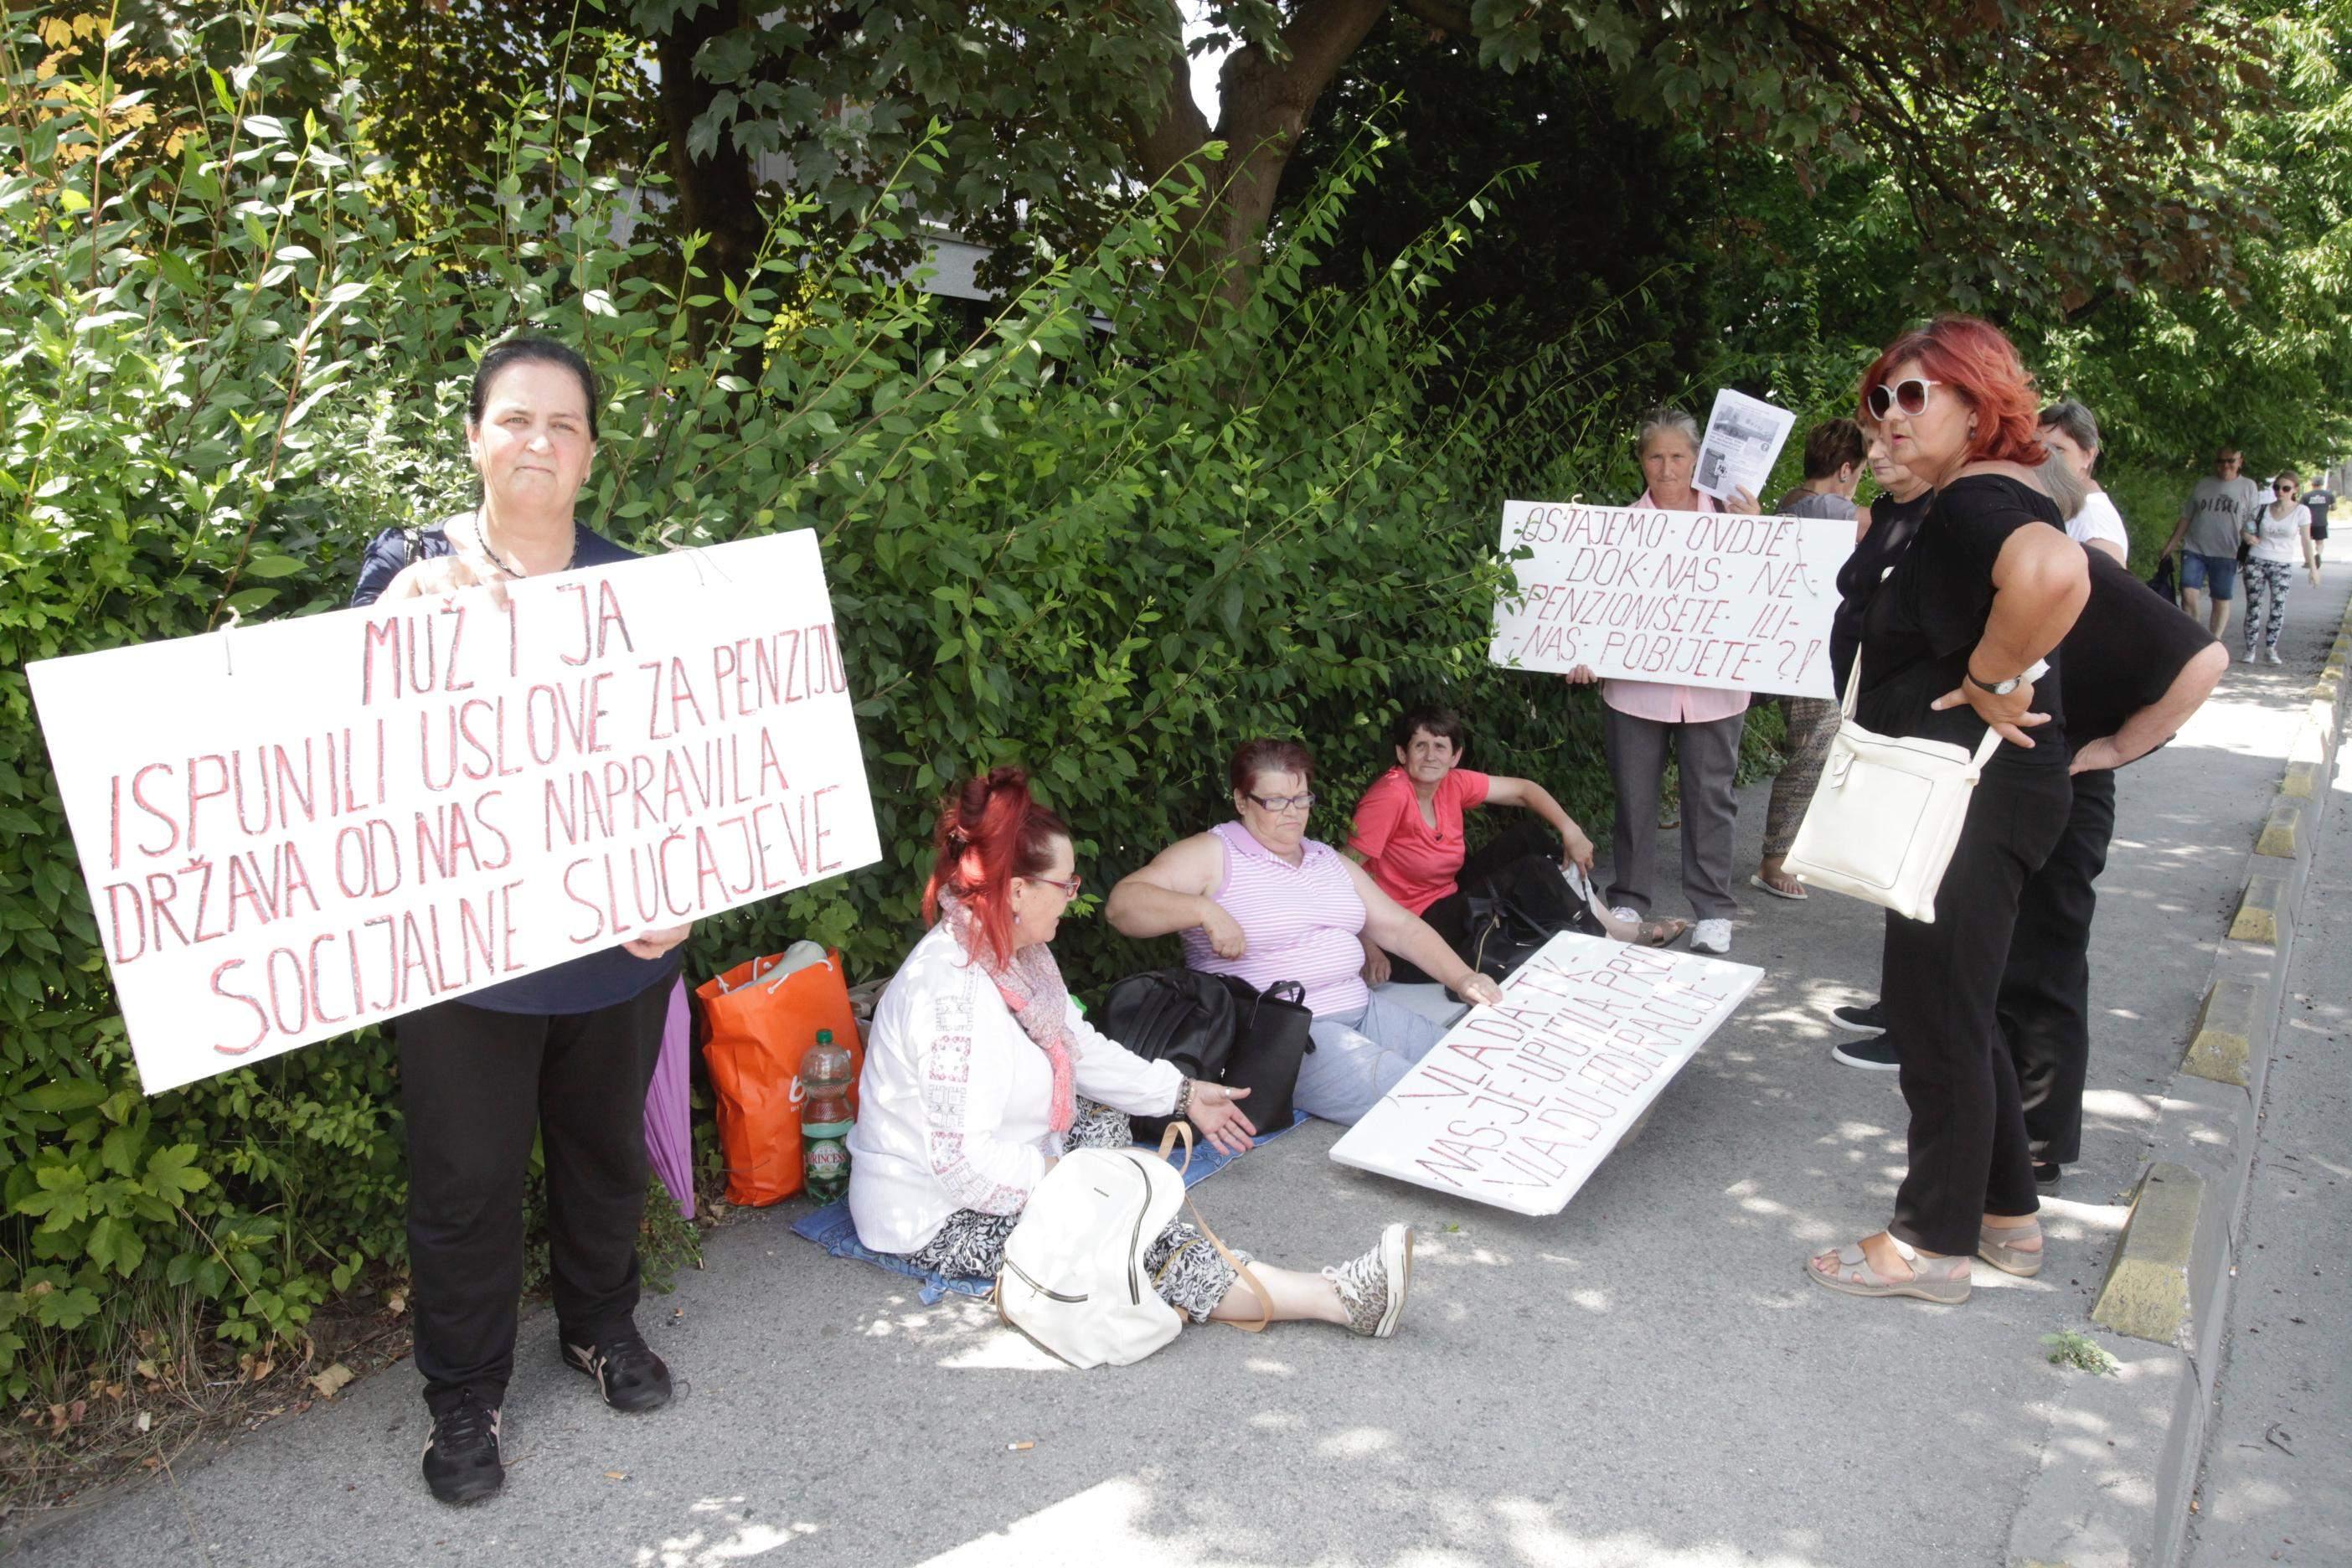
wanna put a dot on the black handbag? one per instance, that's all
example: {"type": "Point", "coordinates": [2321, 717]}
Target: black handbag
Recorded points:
{"type": "Point", "coordinates": [1173, 1015]}
{"type": "Point", "coordinates": [1526, 904]}
{"type": "Point", "coordinates": [1271, 1039]}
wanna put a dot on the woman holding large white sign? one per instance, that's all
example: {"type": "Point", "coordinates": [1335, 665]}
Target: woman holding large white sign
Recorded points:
{"type": "Point", "coordinates": [1640, 719]}
{"type": "Point", "coordinates": [1951, 648]}
{"type": "Point", "coordinates": [568, 1051]}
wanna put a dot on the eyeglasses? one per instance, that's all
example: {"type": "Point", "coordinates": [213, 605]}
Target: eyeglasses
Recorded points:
{"type": "Point", "coordinates": [1275, 805]}
{"type": "Point", "coordinates": [1069, 889]}
{"type": "Point", "coordinates": [1910, 395]}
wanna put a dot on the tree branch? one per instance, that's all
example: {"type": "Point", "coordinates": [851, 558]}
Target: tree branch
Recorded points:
{"type": "Point", "coordinates": [1442, 14]}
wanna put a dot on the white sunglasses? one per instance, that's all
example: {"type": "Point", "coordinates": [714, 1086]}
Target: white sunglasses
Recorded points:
{"type": "Point", "coordinates": [1910, 394]}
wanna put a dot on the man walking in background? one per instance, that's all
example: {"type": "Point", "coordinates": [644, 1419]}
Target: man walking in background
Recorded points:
{"type": "Point", "coordinates": [2319, 499]}
{"type": "Point", "coordinates": [2216, 514]}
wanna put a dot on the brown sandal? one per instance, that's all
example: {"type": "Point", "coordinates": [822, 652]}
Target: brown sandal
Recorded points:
{"type": "Point", "coordinates": [1940, 1280]}
{"type": "Point", "coordinates": [1660, 932]}
{"type": "Point", "coordinates": [2023, 1262]}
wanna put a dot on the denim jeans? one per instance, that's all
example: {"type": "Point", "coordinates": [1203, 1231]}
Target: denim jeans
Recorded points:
{"type": "Point", "coordinates": [1357, 1059]}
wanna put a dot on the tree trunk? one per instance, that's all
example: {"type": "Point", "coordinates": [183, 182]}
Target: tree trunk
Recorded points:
{"type": "Point", "coordinates": [1264, 103]}
{"type": "Point", "coordinates": [716, 193]}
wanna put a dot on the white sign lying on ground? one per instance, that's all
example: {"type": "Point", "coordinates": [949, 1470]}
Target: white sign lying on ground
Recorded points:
{"type": "Point", "coordinates": [1691, 598]}
{"type": "Point", "coordinates": [293, 829]}
{"type": "Point", "coordinates": [1520, 1102]}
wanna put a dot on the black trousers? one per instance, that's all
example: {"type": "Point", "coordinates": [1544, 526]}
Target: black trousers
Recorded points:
{"type": "Point", "coordinates": [1450, 916]}
{"type": "Point", "coordinates": [2045, 990]}
{"type": "Point", "coordinates": [1967, 1143]}
{"type": "Point", "coordinates": [474, 1086]}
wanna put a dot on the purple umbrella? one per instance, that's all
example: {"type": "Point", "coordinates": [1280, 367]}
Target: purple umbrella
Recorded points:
{"type": "Point", "coordinates": [669, 1136]}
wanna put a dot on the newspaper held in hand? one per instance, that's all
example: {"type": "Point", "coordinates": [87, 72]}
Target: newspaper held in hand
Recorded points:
{"type": "Point", "coordinates": [1744, 438]}
{"type": "Point", "coordinates": [1519, 1103]}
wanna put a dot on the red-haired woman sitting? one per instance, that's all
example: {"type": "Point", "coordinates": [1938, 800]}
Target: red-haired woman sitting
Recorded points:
{"type": "Point", "coordinates": [1949, 647]}
{"type": "Point", "coordinates": [980, 1073]}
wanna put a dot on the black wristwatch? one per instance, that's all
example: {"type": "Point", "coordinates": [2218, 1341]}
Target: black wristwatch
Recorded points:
{"type": "Point", "coordinates": [1998, 688]}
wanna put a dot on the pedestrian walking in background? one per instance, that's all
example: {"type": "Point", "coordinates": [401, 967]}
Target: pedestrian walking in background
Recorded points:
{"type": "Point", "coordinates": [2319, 500]}
{"type": "Point", "coordinates": [2276, 536]}
{"type": "Point", "coordinates": [2213, 521]}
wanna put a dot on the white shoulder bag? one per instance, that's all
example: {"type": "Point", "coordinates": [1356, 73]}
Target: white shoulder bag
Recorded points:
{"type": "Point", "coordinates": [1887, 814]}
{"type": "Point", "coordinates": [1072, 1277]}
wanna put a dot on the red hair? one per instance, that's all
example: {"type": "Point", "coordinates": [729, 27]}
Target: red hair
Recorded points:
{"type": "Point", "coordinates": [1252, 758]}
{"type": "Point", "coordinates": [990, 831]}
{"type": "Point", "coordinates": [1975, 359]}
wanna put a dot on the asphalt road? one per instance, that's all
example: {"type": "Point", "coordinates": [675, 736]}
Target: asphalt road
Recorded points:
{"type": "Point", "coordinates": [1645, 1379]}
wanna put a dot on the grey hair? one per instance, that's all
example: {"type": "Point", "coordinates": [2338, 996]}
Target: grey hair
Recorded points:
{"type": "Point", "coordinates": [1664, 416]}
{"type": "Point", "coordinates": [2066, 486]}
{"type": "Point", "coordinates": [2074, 422]}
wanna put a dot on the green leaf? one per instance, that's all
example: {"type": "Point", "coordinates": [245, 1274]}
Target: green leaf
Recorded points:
{"type": "Point", "coordinates": [73, 1094]}
{"type": "Point", "coordinates": [175, 1170]}
{"type": "Point", "coordinates": [113, 1244]}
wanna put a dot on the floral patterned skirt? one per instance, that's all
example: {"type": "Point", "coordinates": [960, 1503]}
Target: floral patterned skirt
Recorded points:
{"type": "Point", "coordinates": [1186, 1271]}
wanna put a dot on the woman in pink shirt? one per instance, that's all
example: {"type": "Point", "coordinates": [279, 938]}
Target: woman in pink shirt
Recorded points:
{"type": "Point", "coordinates": [1410, 836]}
{"type": "Point", "coordinates": [1641, 718]}
{"type": "Point", "coordinates": [1255, 897]}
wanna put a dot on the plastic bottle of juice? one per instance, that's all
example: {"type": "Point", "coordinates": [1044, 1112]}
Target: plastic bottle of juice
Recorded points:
{"type": "Point", "coordinates": [825, 1120]}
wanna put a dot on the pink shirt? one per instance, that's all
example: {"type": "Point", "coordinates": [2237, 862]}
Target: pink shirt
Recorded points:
{"type": "Point", "coordinates": [1414, 863]}
{"type": "Point", "coordinates": [1666, 704]}
{"type": "Point", "coordinates": [1301, 921]}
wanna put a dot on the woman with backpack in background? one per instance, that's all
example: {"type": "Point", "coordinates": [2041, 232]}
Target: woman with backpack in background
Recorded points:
{"type": "Point", "coordinates": [981, 1073]}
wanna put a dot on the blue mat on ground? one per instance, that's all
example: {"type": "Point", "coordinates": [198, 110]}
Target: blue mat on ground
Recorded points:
{"type": "Point", "coordinates": [832, 1228]}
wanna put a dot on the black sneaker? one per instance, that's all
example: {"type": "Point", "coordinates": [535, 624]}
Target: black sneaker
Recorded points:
{"type": "Point", "coordinates": [461, 1457]}
{"type": "Point", "coordinates": [2047, 1176]}
{"type": "Point", "coordinates": [1878, 1054]}
{"type": "Point", "coordinates": [626, 1370]}
{"type": "Point", "coordinates": [1870, 1020]}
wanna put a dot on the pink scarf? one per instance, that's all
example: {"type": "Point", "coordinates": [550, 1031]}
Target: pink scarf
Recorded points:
{"type": "Point", "coordinates": [1032, 986]}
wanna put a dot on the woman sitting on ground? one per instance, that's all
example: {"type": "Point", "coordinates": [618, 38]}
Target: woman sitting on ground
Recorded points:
{"type": "Point", "coordinates": [981, 1073]}
{"type": "Point", "coordinates": [1408, 837]}
{"type": "Point", "coordinates": [1257, 898]}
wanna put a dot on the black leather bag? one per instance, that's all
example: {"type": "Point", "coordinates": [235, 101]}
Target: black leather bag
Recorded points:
{"type": "Point", "coordinates": [1270, 1042]}
{"type": "Point", "coordinates": [1526, 904]}
{"type": "Point", "coordinates": [1173, 1015]}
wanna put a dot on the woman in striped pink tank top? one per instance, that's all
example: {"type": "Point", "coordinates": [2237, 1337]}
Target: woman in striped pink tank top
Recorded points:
{"type": "Point", "coordinates": [1257, 898]}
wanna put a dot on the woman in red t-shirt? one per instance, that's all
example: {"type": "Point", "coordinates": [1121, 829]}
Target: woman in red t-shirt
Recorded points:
{"type": "Point", "coordinates": [1410, 838]}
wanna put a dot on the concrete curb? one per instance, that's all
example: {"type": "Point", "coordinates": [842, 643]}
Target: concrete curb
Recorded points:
{"type": "Point", "coordinates": [2169, 1280]}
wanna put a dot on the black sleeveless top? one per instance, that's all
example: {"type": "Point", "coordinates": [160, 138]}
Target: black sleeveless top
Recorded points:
{"type": "Point", "coordinates": [1892, 525]}
{"type": "Point", "coordinates": [1928, 616]}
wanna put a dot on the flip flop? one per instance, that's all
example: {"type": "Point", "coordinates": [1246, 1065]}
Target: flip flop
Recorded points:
{"type": "Point", "coordinates": [1947, 1284]}
{"type": "Point", "coordinates": [1800, 896]}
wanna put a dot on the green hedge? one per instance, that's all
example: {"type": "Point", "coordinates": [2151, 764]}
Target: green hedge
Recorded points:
{"type": "Point", "coordinates": [1106, 555]}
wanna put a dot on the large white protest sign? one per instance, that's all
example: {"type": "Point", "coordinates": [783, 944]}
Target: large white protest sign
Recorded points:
{"type": "Point", "coordinates": [1519, 1103]}
{"type": "Point", "coordinates": [292, 829]}
{"type": "Point", "coordinates": [1691, 598]}
{"type": "Point", "coordinates": [1744, 438]}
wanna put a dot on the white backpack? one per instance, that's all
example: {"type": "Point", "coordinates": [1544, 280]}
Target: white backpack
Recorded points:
{"type": "Point", "coordinates": [1073, 1276]}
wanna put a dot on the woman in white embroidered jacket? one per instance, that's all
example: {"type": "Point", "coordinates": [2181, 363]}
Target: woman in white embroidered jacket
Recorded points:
{"type": "Point", "coordinates": [980, 1073]}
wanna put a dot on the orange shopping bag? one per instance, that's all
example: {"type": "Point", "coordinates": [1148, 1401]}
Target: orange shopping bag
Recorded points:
{"type": "Point", "coordinates": [758, 1029]}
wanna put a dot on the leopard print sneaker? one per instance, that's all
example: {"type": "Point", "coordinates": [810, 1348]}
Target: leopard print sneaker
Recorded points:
{"type": "Point", "coordinates": [1372, 1287]}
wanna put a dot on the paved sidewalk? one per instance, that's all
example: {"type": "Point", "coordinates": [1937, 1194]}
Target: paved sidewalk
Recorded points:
{"type": "Point", "coordinates": [1644, 1381]}
{"type": "Point", "coordinates": [2277, 1485]}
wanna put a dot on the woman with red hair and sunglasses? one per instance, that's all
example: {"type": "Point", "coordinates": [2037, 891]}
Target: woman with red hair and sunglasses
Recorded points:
{"type": "Point", "coordinates": [980, 1073]}
{"type": "Point", "coordinates": [1953, 642]}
